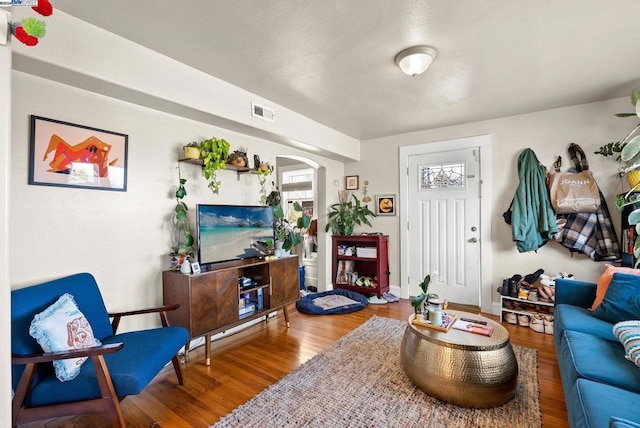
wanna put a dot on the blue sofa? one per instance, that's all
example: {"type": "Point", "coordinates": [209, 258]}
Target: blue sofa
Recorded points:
{"type": "Point", "coordinates": [601, 387]}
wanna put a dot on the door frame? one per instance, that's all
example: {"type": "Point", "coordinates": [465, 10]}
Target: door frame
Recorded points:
{"type": "Point", "coordinates": [483, 142]}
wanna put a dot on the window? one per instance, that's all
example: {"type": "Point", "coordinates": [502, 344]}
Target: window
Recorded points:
{"type": "Point", "coordinates": [449, 176]}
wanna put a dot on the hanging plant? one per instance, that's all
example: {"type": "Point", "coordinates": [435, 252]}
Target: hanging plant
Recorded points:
{"type": "Point", "coordinates": [213, 153]}
{"type": "Point", "coordinates": [182, 237]}
{"type": "Point", "coordinates": [263, 170]}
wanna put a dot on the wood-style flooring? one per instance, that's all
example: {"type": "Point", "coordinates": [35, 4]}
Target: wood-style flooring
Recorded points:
{"type": "Point", "coordinates": [245, 363]}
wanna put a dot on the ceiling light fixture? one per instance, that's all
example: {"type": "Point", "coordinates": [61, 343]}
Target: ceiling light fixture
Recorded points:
{"type": "Point", "coordinates": [415, 60]}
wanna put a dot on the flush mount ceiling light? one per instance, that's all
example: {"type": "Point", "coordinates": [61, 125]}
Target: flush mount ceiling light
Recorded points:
{"type": "Point", "coordinates": [415, 60]}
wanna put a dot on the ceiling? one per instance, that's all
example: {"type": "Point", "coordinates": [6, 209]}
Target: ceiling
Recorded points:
{"type": "Point", "coordinates": [333, 60]}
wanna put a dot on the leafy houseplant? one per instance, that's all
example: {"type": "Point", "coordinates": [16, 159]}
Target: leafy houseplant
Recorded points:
{"type": "Point", "coordinates": [419, 301]}
{"type": "Point", "coordinates": [630, 156]}
{"type": "Point", "coordinates": [290, 235]}
{"type": "Point", "coordinates": [346, 214]}
{"type": "Point", "coordinates": [182, 237]}
{"type": "Point", "coordinates": [263, 170]}
{"type": "Point", "coordinates": [628, 148]}
{"type": "Point", "coordinates": [213, 153]}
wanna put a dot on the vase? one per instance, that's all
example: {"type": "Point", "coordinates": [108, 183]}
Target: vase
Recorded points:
{"type": "Point", "coordinates": [185, 267]}
{"type": "Point", "coordinates": [633, 178]}
{"type": "Point", "coordinates": [192, 152]}
{"type": "Point", "coordinates": [281, 252]}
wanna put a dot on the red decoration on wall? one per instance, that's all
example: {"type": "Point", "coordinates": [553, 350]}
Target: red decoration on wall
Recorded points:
{"type": "Point", "coordinates": [44, 8]}
{"type": "Point", "coordinates": [21, 35]}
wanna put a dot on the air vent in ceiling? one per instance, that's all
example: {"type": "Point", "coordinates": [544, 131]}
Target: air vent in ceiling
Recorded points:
{"type": "Point", "coordinates": [262, 112]}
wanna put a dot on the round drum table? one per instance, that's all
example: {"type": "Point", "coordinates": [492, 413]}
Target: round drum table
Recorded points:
{"type": "Point", "coordinates": [459, 367]}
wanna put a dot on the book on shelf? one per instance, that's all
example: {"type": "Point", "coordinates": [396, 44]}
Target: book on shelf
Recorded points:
{"type": "Point", "coordinates": [472, 327]}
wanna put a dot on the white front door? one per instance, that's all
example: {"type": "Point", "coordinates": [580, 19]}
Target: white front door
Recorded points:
{"type": "Point", "coordinates": [443, 193]}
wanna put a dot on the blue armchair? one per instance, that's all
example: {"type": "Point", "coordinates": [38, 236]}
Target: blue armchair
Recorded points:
{"type": "Point", "coordinates": [123, 365]}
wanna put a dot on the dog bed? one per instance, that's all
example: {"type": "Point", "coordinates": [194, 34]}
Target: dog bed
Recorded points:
{"type": "Point", "coordinates": [332, 302]}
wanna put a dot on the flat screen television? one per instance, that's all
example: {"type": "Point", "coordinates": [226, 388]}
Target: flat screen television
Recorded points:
{"type": "Point", "coordinates": [231, 232]}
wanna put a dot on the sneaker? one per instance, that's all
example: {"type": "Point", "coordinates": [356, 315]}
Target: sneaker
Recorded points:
{"type": "Point", "coordinates": [523, 320]}
{"type": "Point", "coordinates": [537, 324]}
{"type": "Point", "coordinates": [548, 324]}
{"type": "Point", "coordinates": [375, 300]}
{"type": "Point", "coordinates": [511, 318]}
{"type": "Point", "coordinates": [390, 297]}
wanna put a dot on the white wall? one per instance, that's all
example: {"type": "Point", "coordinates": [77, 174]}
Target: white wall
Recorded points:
{"type": "Point", "coordinates": [548, 133]}
{"type": "Point", "coordinates": [5, 289]}
{"type": "Point", "coordinates": [120, 237]}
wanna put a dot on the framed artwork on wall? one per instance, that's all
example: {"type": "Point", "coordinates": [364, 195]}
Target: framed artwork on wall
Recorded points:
{"type": "Point", "coordinates": [385, 204]}
{"type": "Point", "coordinates": [352, 182]}
{"type": "Point", "coordinates": [71, 155]}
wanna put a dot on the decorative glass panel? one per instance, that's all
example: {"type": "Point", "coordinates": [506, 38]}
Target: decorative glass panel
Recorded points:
{"type": "Point", "coordinates": [449, 176]}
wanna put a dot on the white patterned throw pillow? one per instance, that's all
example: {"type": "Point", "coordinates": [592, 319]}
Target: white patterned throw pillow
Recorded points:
{"type": "Point", "coordinates": [628, 333]}
{"type": "Point", "coordinates": [62, 327]}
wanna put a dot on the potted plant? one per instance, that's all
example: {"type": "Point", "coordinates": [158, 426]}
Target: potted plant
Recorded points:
{"type": "Point", "coordinates": [213, 153]}
{"type": "Point", "coordinates": [238, 158]}
{"type": "Point", "coordinates": [182, 238]}
{"type": "Point", "coordinates": [287, 235]}
{"type": "Point", "coordinates": [263, 171]}
{"type": "Point", "coordinates": [629, 149]}
{"type": "Point", "coordinates": [420, 302]}
{"type": "Point", "coordinates": [192, 151]}
{"type": "Point", "coordinates": [346, 214]}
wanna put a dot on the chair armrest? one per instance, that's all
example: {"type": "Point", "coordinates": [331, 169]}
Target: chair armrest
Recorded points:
{"type": "Point", "coordinates": [576, 293]}
{"type": "Point", "coordinates": [63, 355]}
{"type": "Point", "coordinates": [162, 310]}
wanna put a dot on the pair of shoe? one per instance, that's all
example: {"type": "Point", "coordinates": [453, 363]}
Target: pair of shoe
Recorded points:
{"type": "Point", "coordinates": [375, 300]}
{"type": "Point", "coordinates": [537, 323]}
{"type": "Point", "coordinates": [548, 324]}
{"type": "Point", "coordinates": [511, 318]}
{"type": "Point", "coordinates": [523, 320]}
{"type": "Point", "coordinates": [389, 297]}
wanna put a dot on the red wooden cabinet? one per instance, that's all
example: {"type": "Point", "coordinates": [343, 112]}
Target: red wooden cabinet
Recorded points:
{"type": "Point", "coordinates": [357, 257]}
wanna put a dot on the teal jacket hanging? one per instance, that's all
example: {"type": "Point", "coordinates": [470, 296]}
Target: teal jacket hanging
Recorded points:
{"type": "Point", "coordinates": [533, 220]}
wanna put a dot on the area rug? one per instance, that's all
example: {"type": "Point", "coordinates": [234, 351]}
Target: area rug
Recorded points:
{"type": "Point", "coordinates": [359, 382]}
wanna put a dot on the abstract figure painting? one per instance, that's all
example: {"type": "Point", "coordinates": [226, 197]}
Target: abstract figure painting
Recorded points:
{"type": "Point", "coordinates": [71, 155]}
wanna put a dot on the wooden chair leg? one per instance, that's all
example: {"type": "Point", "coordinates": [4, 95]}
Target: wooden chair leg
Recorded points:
{"type": "Point", "coordinates": [178, 368]}
{"type": "Point", "coordinates": [108, 392]}
{"type": "Point", "coordinates": [22, 391]}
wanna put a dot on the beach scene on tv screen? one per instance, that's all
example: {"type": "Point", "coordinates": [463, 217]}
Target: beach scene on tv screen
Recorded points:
{"type": "Point", "coordinates": [230, 232]}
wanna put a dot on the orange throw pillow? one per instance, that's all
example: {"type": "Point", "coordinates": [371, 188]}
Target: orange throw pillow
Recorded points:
{"type": "Point", "coordinates": [605, 280]}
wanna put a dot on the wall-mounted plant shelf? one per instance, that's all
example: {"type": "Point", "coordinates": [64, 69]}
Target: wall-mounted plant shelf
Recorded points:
{"type": "Point", "coordinates": [238, 169]}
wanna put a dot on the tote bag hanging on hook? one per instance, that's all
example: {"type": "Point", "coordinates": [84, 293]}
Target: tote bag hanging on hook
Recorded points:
{"type": "Point", "coordinates": [574, 192]}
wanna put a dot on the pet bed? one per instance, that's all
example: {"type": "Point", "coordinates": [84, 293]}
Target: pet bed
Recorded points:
{"type": "Point", "coordinates": [332, 302]}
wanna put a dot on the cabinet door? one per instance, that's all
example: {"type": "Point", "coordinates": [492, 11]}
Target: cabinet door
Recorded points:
{"type": "Point", "coordinates": [214, 300]}
{"type": "Point", "coordinates": [285, 281]}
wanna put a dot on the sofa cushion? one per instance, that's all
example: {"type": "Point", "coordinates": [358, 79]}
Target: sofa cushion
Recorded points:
{"type": "Point", "coordinates": [622, 300]}
{"type": "Point", "coordinates": [605, 280]}
{"type": "Point", "coordinates": [569, 317]}
{"type": "Point", "coordinates": [62, 327]}
{"type": "Point", "coordinates": [592, 404]}
{"type": "Point", "coordinates": [628, 333]}
{"type": "Point", "coordinates": [616, 422]}
{"type": "Point", "coordinates": [586, 356]}
{"type": "Point", "coordinates": [141, 358]}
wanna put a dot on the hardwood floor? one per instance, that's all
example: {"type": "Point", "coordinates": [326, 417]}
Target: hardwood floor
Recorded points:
{"type": "Point", "coordinates": [248, 362]}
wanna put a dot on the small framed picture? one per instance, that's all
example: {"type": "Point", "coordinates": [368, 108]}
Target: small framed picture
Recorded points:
{"type": "Point", "coordinates": [195, 268]}
{"type": "Point", "coordinates": [352, 182]}
{"type": "Point", "coordinates": [385, 204]}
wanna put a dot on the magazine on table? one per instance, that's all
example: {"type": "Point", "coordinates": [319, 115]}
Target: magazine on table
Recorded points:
{"type": "Point", "coordinates": [473, 327]}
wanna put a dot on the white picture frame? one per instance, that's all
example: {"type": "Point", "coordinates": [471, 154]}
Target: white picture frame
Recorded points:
{"type": "Point", "coordinates": [195, 268]}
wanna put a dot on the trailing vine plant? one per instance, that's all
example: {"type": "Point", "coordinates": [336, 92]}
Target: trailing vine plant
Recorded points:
{"type": "Point", "coordinates": [182, 237]}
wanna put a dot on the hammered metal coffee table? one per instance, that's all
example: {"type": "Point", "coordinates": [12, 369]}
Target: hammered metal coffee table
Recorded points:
{"type": "Point", "coordinates": [459, 367]}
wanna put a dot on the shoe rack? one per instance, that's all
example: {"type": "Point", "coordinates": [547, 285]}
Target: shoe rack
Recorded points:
{"type": "Point", "coordinates": [523, 307]}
